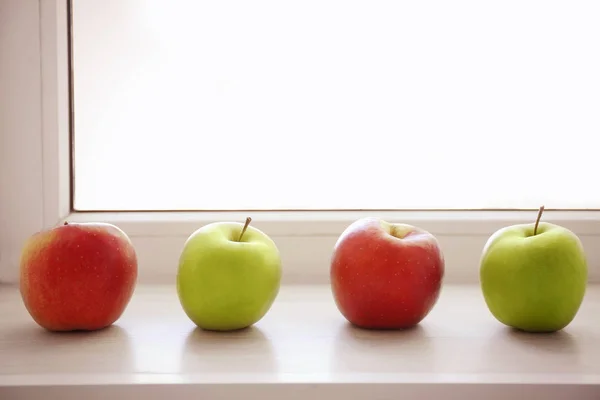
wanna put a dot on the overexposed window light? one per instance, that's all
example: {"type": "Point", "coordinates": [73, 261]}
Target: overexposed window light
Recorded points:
{"type": "Point", "coordinates": [335, 104]}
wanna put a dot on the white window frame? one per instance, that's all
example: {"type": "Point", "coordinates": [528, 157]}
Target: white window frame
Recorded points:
{"type": "Point", "coordinates": [35, 183]}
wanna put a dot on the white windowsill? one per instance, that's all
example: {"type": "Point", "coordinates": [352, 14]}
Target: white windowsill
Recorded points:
{"type": "Point", "coordinates": [302, 348]}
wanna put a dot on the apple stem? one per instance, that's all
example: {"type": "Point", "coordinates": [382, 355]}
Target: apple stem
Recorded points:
{"type": "Point", "coordinates": [66, 223]}
{"type": "Point", "coordinates": [537, 221]}
{"type": "Point", "coordinates": [244, 228]}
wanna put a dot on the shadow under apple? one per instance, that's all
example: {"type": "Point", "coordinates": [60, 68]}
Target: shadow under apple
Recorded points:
{"type": "Point", "coordinates": [510, 351]}
{"type": "Point", "coordinates": [560, 342]}
{"type": "Point", "coordinates": [359, 350]}
{"type": "Point", "coordinates": [107, 350]}
{"type": "Point", "coordinates": [244, 351]}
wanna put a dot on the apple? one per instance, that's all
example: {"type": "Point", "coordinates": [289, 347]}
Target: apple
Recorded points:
{"type": "Point", "coordinates": [229, 275]}
{"type": "Point", "coordinates": [533, 276]}
{"type": "Point", "coordinates": [386, 275]}
{"type": "Point", "coordinates": [77, 276]}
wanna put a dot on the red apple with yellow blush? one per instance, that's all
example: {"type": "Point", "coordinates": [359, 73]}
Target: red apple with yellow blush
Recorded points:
{"type": "Point", "coordinates": [77, 276]}
{"type": "Point", "coordinates": [386, 275]}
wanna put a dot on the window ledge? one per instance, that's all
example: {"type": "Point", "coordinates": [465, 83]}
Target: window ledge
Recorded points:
{"type": "Point", "coordinates": [303, 347]}
{"type": "Point", "coordinates": [332, 223]}
{"type": "Point", "coordinates": [306, 239]}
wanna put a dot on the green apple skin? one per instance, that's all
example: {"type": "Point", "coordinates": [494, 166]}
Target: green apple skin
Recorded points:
{"type": "Point", "coordinates": [224, 284]}
{"type": "Point", "coordinates": [534, 283]}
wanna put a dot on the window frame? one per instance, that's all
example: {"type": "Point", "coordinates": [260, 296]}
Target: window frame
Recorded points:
{"type": "Point", "coordinates": [41, 168]}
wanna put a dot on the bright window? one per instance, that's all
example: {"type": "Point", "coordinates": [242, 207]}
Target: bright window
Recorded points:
{"type": "Point", "coordinates": [335, 104]}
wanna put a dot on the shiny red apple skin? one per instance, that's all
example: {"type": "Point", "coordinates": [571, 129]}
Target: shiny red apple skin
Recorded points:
{"type": "Point", "coordinates": [380, 281]}
{"type": "Point", "coordinates": [77, 276]}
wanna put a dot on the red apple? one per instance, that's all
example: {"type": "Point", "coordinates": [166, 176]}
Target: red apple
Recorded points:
{"type": "Point", "coordinates": [385, 275]}
{"type": "Point", "coordinates": [77, 276]}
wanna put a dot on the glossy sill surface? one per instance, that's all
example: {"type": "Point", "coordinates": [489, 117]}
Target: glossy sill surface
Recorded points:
{"type": "Point", "coordinates": [302, 340]}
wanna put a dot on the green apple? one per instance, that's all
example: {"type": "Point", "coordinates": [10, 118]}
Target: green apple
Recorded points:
{"type": "Point", "coordinates": [229, 275]}
{"type": "Point", "coordinates": [533, 276]}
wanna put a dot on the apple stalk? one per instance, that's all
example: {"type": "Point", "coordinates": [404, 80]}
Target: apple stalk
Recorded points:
{"type": "Point", "coordinates": [537, 221]}
{"type": "Point", "coordinates": [248, 220]}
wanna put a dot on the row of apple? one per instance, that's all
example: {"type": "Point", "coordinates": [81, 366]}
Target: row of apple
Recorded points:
{"type": "Point", "coordinates": [383, 275]}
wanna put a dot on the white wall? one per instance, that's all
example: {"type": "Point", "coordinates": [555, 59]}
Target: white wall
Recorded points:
{"type": "Point", "coordinates": [21, 185]}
